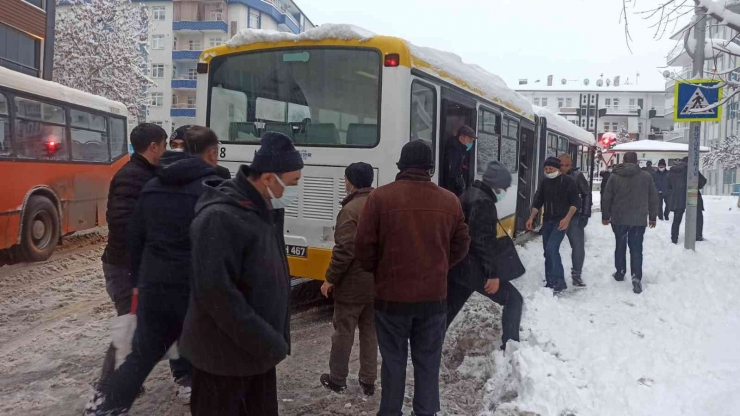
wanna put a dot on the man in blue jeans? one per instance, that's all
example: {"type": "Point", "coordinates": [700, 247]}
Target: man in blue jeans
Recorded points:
{"type": "Point", "coordinates": [629, 199]}
{"type": "Point", "coordinates": [558, 195]}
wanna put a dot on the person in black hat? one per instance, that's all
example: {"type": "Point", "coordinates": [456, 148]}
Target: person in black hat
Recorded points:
{"type": "Point", "coordinates": [456, 170]}
{"type": "Point", "coordinates": [352, 290]}
{"type": "Point", "coordinates": [237, 328]}
{"type": "Point", "coordinates": [660, 177]}
{"type": "Point", "coordinates": [559, 196]}
{"type": "Point", "coordinates": [411, 232]}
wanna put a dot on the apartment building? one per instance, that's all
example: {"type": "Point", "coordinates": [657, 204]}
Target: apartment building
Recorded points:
{"type": "Point", "coordinates": [603, 105]}
{"type": "Point", "coordinates": [181, 29]}
{"type": "Point", "coordinates": [27, 36]}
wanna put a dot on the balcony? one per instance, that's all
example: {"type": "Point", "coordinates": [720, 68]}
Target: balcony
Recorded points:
{"type": "Point", "coordinates": [186, 55]}
{"type": "Point", "coordinates": [208, 26]}
{"type": "Point", "coordinates": [278, 10]}
{"type": "Point", "coordinates": [184, 84]}
{"type": "Point", "coordinates": [624, 110]}
{"type": "Point", "coordinates": [183, 110]}
{"type": "Point", "coordinates": [568, 111]}
{"type": "Point", "coordinates": [200, 16]}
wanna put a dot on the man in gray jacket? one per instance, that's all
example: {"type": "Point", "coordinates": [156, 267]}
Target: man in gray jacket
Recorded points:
{"type": "Point", "coordinates": [629, 198]}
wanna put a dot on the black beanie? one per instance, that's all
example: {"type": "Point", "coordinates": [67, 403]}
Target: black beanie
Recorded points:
{"type": "Point", "coordinates": [553, 162]}
{"type": "Point", "coordinates": [179, 133]}
{"type": "Point", "coordinates": [416, 154]}
{"type": "Point", "coordinates": [276, 155]}
{"type": "Point", "coordinates": [661, 162]}
{"type": "Point", "coordinates": [360, 175]}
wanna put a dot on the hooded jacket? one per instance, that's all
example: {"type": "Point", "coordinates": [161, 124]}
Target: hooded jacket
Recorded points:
{"type": "Point", "coordinates": [238, 321]}
{"type": "Point", "coordinates": [630, 197]}
{"type": "Point", "coordinates": [159, 232]}
{"type": "Point", "coordinates": [352, 283]}
{"type": "Point", "coordinates": [678, 178]}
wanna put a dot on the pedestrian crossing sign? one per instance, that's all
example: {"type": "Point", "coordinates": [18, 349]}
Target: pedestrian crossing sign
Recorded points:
{"type": "Point", "coordinates": [696, 100]}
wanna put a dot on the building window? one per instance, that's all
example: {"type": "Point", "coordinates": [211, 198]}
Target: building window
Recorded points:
{"type": "Point", "coordinates": [606, 127]}
{"type": "Point", "coordinates": [19, 51]}
{"type": "Point", "coordinates": [583, 122]}
{"type": "Point", "coordinates": [174, 44]}
{"type": "Point", "coordinates": [615, 127]}
{"type": "Point", "coordinates": [194, 45]}
{"type": "Point", "coordinates": [157, 41]}
{"type": "Point", "coordinates": [591, 123]}
{"type": "Point", "coordinates": [632, 102]}
{"type": "Point", "coordinates": [639, 127]}
{"type": "Point", "coordinates": [544, 101]}
{"type": "Point", "coordinates": [157, 99]}
{"type": "Point", "coordinates": [159, 123]}
{"type": "Point", "coordinates": [593, 99]}
{"type": "Point", "coordinates": [561, 102]}
{"type": "Point", "coordinates": [37, 3]}
{"type": "Point", "coordinates": [217, 14]}
{"type": "Point", "coordinates": [191, 101]}
{"type": "Point", "coordinates": [607, 102]}
{"type": "Point", "coordinates": [616, 103]}
{"type": "Point", "coordinates": [584, 99]}
{"type": "Point", "coordinates": [158, 12]}
{"type": "Point", "coordinates": [568, 102]}
{"type": "Point", "coordinates": [536, 101]}
{"type": "Point", "coordinates": [157, 70]}
{"type": "Point", "coordinates": [216, 42]}
{"type": "Point", "coordinates": [254, 19]}
{"type": "Point", "coordinates": [192, 73]}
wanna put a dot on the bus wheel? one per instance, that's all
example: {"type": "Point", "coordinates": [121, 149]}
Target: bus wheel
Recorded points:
{"type": "Point", "coordinates": [40, 229]}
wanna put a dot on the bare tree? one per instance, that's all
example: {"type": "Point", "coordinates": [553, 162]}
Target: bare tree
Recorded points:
{"type": "Point", "coordinates": [100, 48]}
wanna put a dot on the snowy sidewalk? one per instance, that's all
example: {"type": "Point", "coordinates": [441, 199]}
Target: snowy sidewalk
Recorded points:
{"type": "Point", "coordinates": [673, 350]}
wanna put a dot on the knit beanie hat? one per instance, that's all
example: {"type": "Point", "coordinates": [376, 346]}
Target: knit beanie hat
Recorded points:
{"type": "Point", "coordinates": [553, 162]}
{"type": "Point", "coordinates": [497, 176]}
{"type": "Point", "coordinates": [416, 154]}
{"type": "Point", "coordinates": [276, 155]}
{"type": "Point", "coordinates": [360, 175]}
{"type": "Point", "coordinates": [661, 162]}
{"type": "Point", "coordinates": [179, 133]}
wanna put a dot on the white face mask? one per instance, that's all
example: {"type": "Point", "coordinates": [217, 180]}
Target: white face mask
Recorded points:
{"type": "Point", "coordinates": [661, 169]}
{"type": "Point", "coordinates": [179, 149]}
{"type": "Point", "coordinates": [290, 193]}
{"type": "Point", "coordinates": [501, 195]}
{"type": "Point", "coordinates": [553, 175]}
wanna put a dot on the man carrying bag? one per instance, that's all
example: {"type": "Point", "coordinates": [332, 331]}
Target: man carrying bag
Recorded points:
{"type": "Point", "coordinates": [491, 262]}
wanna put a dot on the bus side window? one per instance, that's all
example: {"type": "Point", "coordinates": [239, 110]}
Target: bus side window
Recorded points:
{"type": "Point", "coordinates": [89, 137]}
{"type": "Point", "coordinates": [40, 130]}
{"type": "Point", "coordinates": [424, 114]}
{"type": "Point", "coordinates": [5, 144]}
{"type": "Point", "coordinates": [117, 137]}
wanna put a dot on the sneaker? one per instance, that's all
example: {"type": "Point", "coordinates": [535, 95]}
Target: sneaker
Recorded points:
{"type": "Point", "coordinates": [559, 289]}
{"type": "Point", "coordinates": [184, 389]}
{"type": "Point", "coordinates": [618, 276]}
{"type": "Point", "coordinates": [577, 281]}
{"type": "Point", "coordinates": [336, 388]}
{"type": "Point", "coordinates": [699, 238]}
{"type": "Point", "coordinates": [94, 406]}
{"type": "Point", "coordinates": [636, 285]}
{"type": "Point", "coordinates": [367, 389]}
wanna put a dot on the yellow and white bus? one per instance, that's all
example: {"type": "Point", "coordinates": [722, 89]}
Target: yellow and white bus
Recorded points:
{"type": "Point", "coordinates": [345, 95]}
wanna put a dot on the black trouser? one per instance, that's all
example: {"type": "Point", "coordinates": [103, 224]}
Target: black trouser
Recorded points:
{"type": "Point", "coordinates": [678, 217]}
{"type": "Point", "coordinates": [159, 318]}
{"type": "Point", "coordinates": [426, 333]}
{"type": "Point", "coordinates": [234, 396]}
{"type": "Point", "coordinates": [507, 296]}
{"type": "Point", "coordinates": [663, 213]}
{"type": "Point", "coordinates": [632, 236]}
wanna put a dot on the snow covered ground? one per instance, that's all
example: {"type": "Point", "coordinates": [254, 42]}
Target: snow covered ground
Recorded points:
{"type": "Point", "coordinates": [673, 350]}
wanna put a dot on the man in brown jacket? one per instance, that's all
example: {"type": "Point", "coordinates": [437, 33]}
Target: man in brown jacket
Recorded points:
{"type": "Point", "coordinates": [410, 234]}
{"type": "Point", "coordinates": [352, 290]}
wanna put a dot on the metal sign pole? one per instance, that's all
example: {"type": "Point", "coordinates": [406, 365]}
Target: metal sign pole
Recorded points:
{"type": "Point", "coordinates": [692, 190]}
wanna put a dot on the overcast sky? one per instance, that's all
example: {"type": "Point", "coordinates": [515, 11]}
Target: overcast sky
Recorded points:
{"type": "Point", "coordinates": [572, 39]}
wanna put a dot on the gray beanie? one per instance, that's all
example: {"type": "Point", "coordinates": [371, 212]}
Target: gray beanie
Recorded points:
{"type": "Point", "coordinates": [497, 176]}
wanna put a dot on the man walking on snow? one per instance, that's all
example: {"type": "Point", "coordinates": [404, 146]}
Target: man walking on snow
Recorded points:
{"type": "Point", "coordinates": [677, 187]}
{"type": "Point", "coordinates": [660, 177]}
{"type": "Point", "coordinates": [411, 232]}
{"type": "Point", "coordinates": [577, 229]}
{"type": "Point", "coordinates": [558, 194]}
{"type": "Point", "coordinates": [629, 199]}
{"type": "Point", "coordinates": [237, 328]}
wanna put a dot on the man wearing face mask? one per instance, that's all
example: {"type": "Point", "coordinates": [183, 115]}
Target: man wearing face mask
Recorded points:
{"type": "Point", "coordinates": [456, 170]}
{"type": "Point", "coordinates": [558, 194]}
{"type": "Point", "coordinates": [237, 327]}
{"type": "Point", "coordinates": [660, 177]}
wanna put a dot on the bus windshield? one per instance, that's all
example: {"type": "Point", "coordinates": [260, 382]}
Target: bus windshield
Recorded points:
{"type": "Point", "coordinates": [316, 96]}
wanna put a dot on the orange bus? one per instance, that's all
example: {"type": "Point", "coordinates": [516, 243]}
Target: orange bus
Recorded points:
{"type": "Point", "coordinates": [59, 149]}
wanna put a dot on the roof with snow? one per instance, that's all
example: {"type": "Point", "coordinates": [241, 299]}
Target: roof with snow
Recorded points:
{"type": "Point", "coordinates": [577, 86]}
{"type": "Point", "coordinates": [646, 146]}
{"type": "Point", "coordinates": [444, 65]}
{"type": "Point", "coordinates": [43, 88]}
{"type": "Point", "coordinates": [563, 126]}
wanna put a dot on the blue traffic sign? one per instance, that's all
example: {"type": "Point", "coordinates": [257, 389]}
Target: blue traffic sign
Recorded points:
{"type": "Point", "coordinates": [694, 98]}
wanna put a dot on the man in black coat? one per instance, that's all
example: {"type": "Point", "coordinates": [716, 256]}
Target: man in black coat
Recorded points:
{"type": "Point", "coordinates": [577, 229]}
{"type": "Point", "coordinates": [660, 177]}
{"type": "Point", "coordinates": [237, 327]}
{"type": "Point", "coordinates": [159, 250]}
{"type": "Point", "coordinates": [677, 188]}
{"type": "Point", "coordinates": [456, 170]}
{"type": "Point", "coordinates": [477, 272]}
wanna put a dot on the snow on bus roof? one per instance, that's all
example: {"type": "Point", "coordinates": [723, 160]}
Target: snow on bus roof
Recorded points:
{"type": "Point", "coordinates": [563, 126]}
{"type": "Point", "coordinates": [44, 88]}
{"type": "Point", "coordinates": [444, 65]}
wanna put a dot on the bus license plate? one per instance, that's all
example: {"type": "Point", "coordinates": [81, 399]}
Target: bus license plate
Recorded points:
{"type": "Point", "coordinates": [296, 251]}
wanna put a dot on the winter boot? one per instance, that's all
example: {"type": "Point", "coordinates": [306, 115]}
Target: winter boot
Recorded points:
{"type": "Point", "coordinates": [367, 389]}
{"type": "Point", "coordinates": [577, 281]}
{"type": "Point", "coordinates": [184, 389]}
{"type": "Point", "coordinates": [336, 388]}
{"type": "Point", "coordinates": [618, 276]}
{"type": "Point", "coordinates": [636, 285]}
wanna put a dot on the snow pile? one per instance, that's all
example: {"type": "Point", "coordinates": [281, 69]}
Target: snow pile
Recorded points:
{"type": "Point", "coordinates": [451, 67]}
{"type": "Point", "coordinates": [326, 31]}
{"type": "Point", "coordinates": [671, 351]}
{"type": "Point", "coordinates": [654, 146]}
{"type": "Point", "coordinates": [561, 125]}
